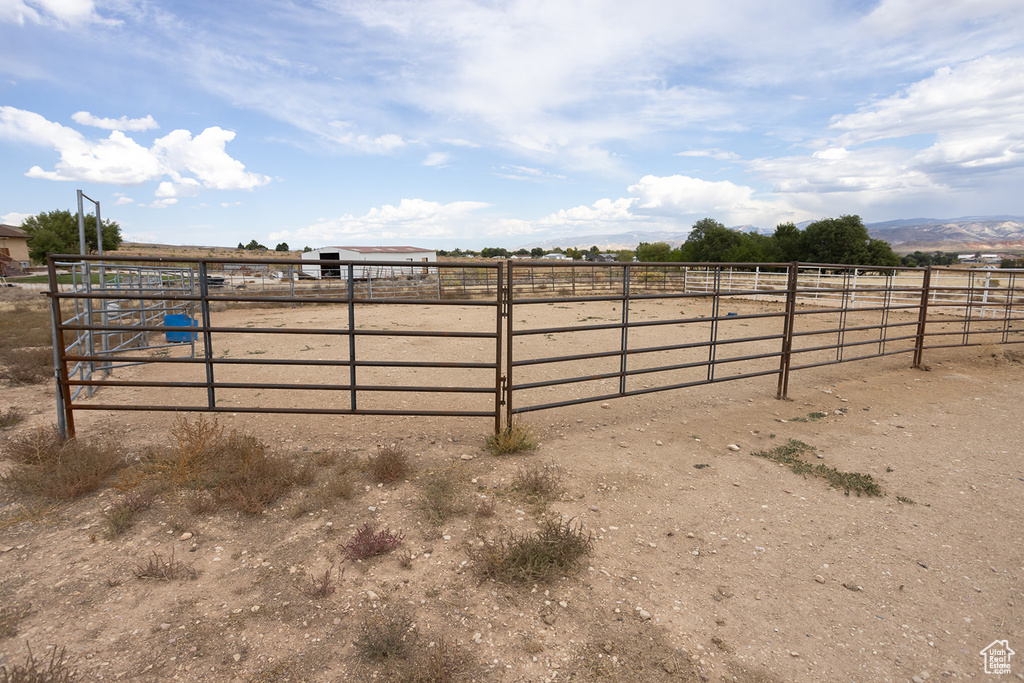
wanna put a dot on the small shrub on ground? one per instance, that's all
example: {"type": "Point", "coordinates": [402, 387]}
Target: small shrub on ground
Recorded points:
{"type": "Point", "coordinates": [200, 502]}
{"type": "Point", "coordinates": [9, 418]}
{"type": "Point", "coordinates": [791, 454]}
{"type": "Point", "coordinates": [321, 587]}
{"type": "Point", "coordinates": [386, 633]}
{"type": "Point", "coordinates": [120, 516]}
{"type": "Point", "coordinates": [515, 438]}
{"type": "Point", "coordinates": [26, 366]}
{"type": "Point", "coordinates": [486, 507]}
{"type": "Point", "coordinates": [53, 467]}
{"type": "Point", "coordinates": [10, 616]}
{"type": "Point", "coordinates": [439, 497]}
{"type": "Point", "coordinates": [165, 568]}
{"type": "Point", "coordinates": [441, 663]}
{"type": "Point", "coordinates": [545, 554]}
{"type": "Point", "coordinates": [389, 464]}
{"type": "Point", "coordinates": [369, 543]}
{"type": "Point", "coordinates": [539, 481]}
{"type": "Point", "coordinates": [55, 669]}
{"type": "Point", "coordinates": [235, 467]}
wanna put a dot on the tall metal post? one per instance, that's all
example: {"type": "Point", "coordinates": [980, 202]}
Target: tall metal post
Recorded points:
{"type": "Point", "coordinates": [922, 317]}
{"type": "Point", "coordinates": [787, 335]}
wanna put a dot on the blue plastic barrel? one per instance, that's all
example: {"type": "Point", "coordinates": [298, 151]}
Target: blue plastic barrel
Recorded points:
{"type": "Point", "coordinates": [180, 320]}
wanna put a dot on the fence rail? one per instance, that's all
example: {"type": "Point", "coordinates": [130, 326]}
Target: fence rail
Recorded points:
{"type": "Point", "coordinates": [468, 336]}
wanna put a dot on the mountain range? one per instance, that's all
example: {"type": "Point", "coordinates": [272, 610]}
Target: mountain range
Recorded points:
{"type": "Point", "coordinates": [965, 234]}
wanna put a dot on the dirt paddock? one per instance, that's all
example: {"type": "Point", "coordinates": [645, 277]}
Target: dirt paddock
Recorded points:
{"type": "Point", "coordinates": [709, 563]}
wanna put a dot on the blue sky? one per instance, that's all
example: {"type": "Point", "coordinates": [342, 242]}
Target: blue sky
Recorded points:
{"type": "Point", "coordinates": [460, 123]}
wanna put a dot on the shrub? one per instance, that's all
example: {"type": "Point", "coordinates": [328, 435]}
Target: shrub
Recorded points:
{"type": "Point", "coordinates": [526, 558]}
{"type": "Point", "coordinates": [322, 587]}
{"type": "Point", "coordinates": [121, 515]}
{"type": "Point", "coordinates": [389, 464]}
{"type": "Point", "coordinates": [516, 437]}
{"type": "Point", "coordinates": [386, 633]}
{"type": "Point", "coordinates": [53, 467]}
{"type": "Point", "coordinates": [26, 366]}
{"type": "Point", "coordinates": [165, 569]}
{"type": "Point", "coordinates": [55, 669]}
{"type": "Point", "coordinates": [439, 497]}
{"type": "Point", "coordinates": [369, 543]}
{"type": "Point", "coordinates": [235, 467]}
{"type": "Point", "coordinates": [9, 418]}
{"type": "Point", "coordinates": [539, 481]}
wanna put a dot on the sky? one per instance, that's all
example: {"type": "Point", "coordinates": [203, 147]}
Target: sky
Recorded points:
{"type": "Point", "coordinates": [443, 123]}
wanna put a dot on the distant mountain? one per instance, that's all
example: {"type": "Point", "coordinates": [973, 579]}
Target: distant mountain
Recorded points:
{"type": "Point", "coordinates": [968, 233]}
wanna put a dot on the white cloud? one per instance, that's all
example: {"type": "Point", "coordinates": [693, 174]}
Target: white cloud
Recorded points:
{"type": "Point", "coordinates": [62, 12]}
{"type": "Point", "coordinates": [123, 201]}
{"type": "Point", "coordinates": [436, 159]}
{"type": "Point", "coordinates": [717, 154]}
{"type": "Point", "coordinates": [124, 123]}
{"type": "Point", "coordinates": [14, 218]}
{"type": "Point", "coordinates": [411, 220]}
{"type": "Point", "coordinates": [514, 172]}
{"type": "Point", "coordinates": [340, 132]}
{"type": "Point", "coordinates": [119, 160]}
{"type": "Point", "coordinates": [683, 196]}
{"type": "Point", "coordinates": [205, 157]}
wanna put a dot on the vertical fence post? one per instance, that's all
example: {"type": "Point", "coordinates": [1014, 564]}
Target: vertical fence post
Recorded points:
{"type": "Point", "coordinates": [510, 305]}
{"type": "Point", "coordinates": [501, 299]}
{"type": "Point", "coordinates": [922, 316]}
{"type": "Point", "coordinates": [787, 332]}
{"type": "Point", "coordinates": [352, 336]}
{"type": "Point", "coordinates": [65, 416]}
{"type": "Point", "coordinates": [204, 311]}
{"type": "Point", "coordinates": [625, 329]}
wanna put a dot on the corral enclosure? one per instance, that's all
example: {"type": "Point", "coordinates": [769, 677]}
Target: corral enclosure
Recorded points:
{"type": "Point", "coordinates": [493, 340]}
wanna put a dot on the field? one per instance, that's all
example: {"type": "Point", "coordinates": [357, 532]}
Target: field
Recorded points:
{"type": "Point", "coordinates": [717, 549]}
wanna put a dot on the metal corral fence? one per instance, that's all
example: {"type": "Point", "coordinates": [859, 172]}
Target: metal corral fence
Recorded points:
{"type": "Point", "coordinates": [467, 336]}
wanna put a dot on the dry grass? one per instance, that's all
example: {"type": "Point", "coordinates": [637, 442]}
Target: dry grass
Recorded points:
{"type": "Point", "coordinates": [165, 568]}
{"type": "Point", "coordinates": [439, 497]}
{"type": "Point", "coordinates": [120, 516]}
{"type": "Point", "coordinates": [515, 438]}
{"type": "Point", "coordinates": [9, 418]}
{"type": "Point", "coordinates": [26, 350]}
{"type": "Point", "coordinates": [386, 633]}
{"type": "Point", "coordinates": [62, 469]}
{"type": "Point", "coordinates": [10, 617]}
{"type": "Point", "coordinates": [235, 468]}
{"type": "Point", "coordinates": [389, 464]}
{"type": "Point", "coordinates": [26, 365]}
{"type": "Point", "coordinates": [323, 586]}
{"type": "Point", "coordinates": [542, 482]}
{"type": "Point", "coordinates": [54, 669]}
{"type": "Point", "coordinates": [550, 552]}
{"type": "Point", "coordinates": [442, 662]}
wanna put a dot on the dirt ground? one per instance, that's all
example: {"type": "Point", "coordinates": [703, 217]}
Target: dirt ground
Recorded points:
{"type": "Point", "coordinates": [709, 563]}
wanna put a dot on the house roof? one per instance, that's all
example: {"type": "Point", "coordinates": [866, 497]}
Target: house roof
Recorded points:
{"type": "Point", "coordinates": [379, 250]}
{"type": "Point", "coordinates": [11, 231]}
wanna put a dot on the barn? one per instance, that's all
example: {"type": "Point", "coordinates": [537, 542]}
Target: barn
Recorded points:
{"type": "Point", "coordinates": [370, 255]}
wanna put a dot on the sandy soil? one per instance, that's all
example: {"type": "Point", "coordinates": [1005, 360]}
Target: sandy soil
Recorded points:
{"type": "Point", "coordinates": [709, 563]}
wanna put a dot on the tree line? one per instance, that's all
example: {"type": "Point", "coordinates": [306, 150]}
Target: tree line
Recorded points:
{"type": "Point", "coordinates": [842, 240]}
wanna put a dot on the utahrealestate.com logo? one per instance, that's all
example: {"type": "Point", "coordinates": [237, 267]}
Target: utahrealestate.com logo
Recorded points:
{"type": "Point", "coordinates": [997, 657]}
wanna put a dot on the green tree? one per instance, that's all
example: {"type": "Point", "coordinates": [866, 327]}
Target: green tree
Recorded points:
{"type": "Point", "coordinates": [653, 252]}
{"type": "Point", "coordinates": [537, 252]}
{"type": "Point", "coordinates": [494, 252]}
{"type": "Point", "coordinates": [240, 246]}
{"type": "Point", "coordinates": [255, 246]}
{"type": "Point", "coordinates": [845, 240]}
{"type": "Point", "coordinates": [710, 241]}
{"type": "Point", "coordinates": [56, 232]}
{"type": "Point", "coordinates": [305, 250]}
{"type": "Point", "coordinates": [282, 247]}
